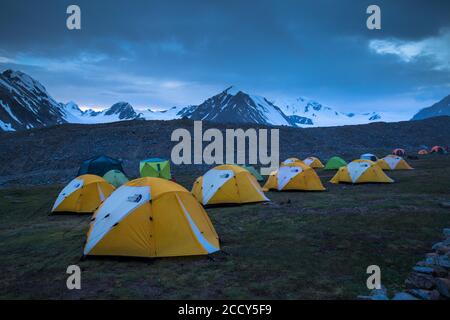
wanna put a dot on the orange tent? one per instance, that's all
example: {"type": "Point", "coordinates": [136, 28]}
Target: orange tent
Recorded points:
{"type": "Point", "coordinates": [437, 149]}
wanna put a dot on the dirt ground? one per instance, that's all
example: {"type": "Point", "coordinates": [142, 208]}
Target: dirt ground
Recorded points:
{"type": "Point", "coordinates": [302, 245]}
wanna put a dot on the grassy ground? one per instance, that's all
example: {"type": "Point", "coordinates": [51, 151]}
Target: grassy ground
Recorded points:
{"type": "Point", "coordinates": [300, 246]}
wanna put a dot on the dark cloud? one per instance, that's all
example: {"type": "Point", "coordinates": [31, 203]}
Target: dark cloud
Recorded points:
{"type": "Point", "coordinates": [315, 48]}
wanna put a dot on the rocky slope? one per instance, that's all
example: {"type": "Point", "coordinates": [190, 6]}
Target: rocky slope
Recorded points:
{"type": "Point", "coordinates": [441, 108]}
{"type": "Point", "coordinates": [53, 154]}
{"type": "Point", "coordinates": [25, 103]}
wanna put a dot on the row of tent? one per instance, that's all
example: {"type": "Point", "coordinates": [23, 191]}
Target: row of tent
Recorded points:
{"type": "Point", "coordinates": [155, 217]}
{"type": "Point", "coordinates": [112, 171]}
{"type": "Point", "coordinates": [423, 150]}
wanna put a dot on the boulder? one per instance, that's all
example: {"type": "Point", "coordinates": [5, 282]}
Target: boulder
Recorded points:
{"type": "Point", "coordinates": [376, 294]}
{"type": "Point", "coordinates": [424, 294]}
{"type": "Point", "coordinates": [443, 250]}
{"type": "Point", "coordinates": [446, 232]}
{"type": "Point", "coordinates": [426, 270]}
{"type": "Point", "coordinates": [443, 261]}
{"type": "Point", "coordinates": [440, 272]}
{"type": "Point", "coordinates": [437, 245]}
{"type": "Point", "coordinates": [404, 296]}
{"type": "Point", "coordinates": [443, 286]}
{"type": "Point", "coordinates": [418, 280]}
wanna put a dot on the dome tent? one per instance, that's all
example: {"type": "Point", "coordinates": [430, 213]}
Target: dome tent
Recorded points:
{"type": "Point", "coordinates": [228, 184]}
{"type": "Point", "coordinates": [294, 176]}
{"type": "Point", "coordinates": [334, 163]}
{"type": "Point", "coordinates": [368, 156]}
{"type": "Point", "coordinates": [151, 217]}
{"type": "Point", "coordinates": [289, 161]}
{"type": "Point", "coordinates": [438, 149]}
{"type": "Point", "coordinates": [156, 168]}
{"type": "Point", "coordinates": [422, 152]}
{"type": "Point", "coordinates": [361, 171]}
{"type": "Point", "coordinates": [83, 194]}
{"type": "Point", "coordinates": [399, 152]}
{"type": "Point", "coordinates": [392, 162]}
{"type": "Point", "coordinates": [99, 166]}
{"type": "Point", "coordinates": [313, 162]}
{"type": "Point", "coordinates": [115, 177]}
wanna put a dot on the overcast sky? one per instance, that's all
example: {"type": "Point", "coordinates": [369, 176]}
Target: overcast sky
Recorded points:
{"type": "Point", "coordinates": [166, 53]}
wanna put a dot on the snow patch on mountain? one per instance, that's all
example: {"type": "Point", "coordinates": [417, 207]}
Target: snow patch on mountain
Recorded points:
{"type": "Point", "coordinates": [25, 104]}
{"type": "Point", "coordinates": [235, 106]}
{"type": "Point", "coordinates": [305, 112]}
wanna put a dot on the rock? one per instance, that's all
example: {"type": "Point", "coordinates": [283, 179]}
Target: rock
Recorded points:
{"type": "Point", "coordinates": [424, 294]}
{"type": "Point", "coordinates": [364, 297]}
{"type": "Point", "coordinates": [379, 297]}
{"type": "Point", "coordinates": [376, 294]}
{"type": "Point", "coordinates": [404, 296]}
{"type": "Point", "coordinates": [443, 261]}
{"type": "Point", "coordinates": [446, 232]}
{"type": "Point", "coordinates": [418, 280]}
{"type": "Point", "coordinates": [443, 250]}
{"type": "Point", "coordinates": [443, 286]}
{"type": "Point", "coordinates": [440, 272]}
{"type": "Point", "coordinates": [426, 270]}
{"type": "Point", "coordinates": [437, 245]}
{"type": "Point", "coordinates": [379, 294]}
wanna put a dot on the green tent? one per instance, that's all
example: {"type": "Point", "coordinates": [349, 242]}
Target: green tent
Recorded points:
{"type": "Point", "coordinates": [335, 163]}
{"type": "Point", "coordinates": [253, 171]}
{"type": "Point", "coordinates": [115, 177]}
{"type": "Point", "coordinates": [155, 167]}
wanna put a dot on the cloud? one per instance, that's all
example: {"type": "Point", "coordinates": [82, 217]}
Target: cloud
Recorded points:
{"type": "Point", "coordinates": [72, 63]}
{"type": "Point", "coordinates": [5, 60]}
{"type": "Point", "coordinates": [434, 49]}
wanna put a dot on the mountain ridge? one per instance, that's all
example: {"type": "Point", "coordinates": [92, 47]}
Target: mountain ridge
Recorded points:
{"type": "Point", "coordinates": [26, 104]}
{"type": "Point", "coordinates": [440, 108]}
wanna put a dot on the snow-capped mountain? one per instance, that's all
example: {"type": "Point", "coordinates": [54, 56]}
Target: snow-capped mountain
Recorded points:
{"type": "Point", "coordinates": [304, 112]}
{"type": "Point", "coordinates": [25, 103]}
{"type": "Point", "coordinates": [161, 114]}
{"type": "Point", "coordinates": [441, 108]}
{"type": "Point", "coordinates": [119, 111]}
{"type": "Point", "coordinates": [235, 106]}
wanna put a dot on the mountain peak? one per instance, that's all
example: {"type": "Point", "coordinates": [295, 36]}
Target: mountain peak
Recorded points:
{"type": "Point", "coordinates": [24, 80]}
{"type": "Point", "coordinates": [232, 90]}
{"type": "Point", "coordinates": [441, 108]}
{"type": "Point", "coordinates": [123, 109]}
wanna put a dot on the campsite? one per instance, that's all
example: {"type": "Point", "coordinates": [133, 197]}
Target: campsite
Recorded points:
{"type": "Point", "coordinates": [299, 245]}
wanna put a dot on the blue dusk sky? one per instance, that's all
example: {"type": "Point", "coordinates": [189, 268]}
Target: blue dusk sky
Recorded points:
{"type": "Point", "coordinates": [177, 53]}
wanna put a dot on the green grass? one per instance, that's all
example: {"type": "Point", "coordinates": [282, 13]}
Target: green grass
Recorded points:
{"type": "Point", "coordinates": [303, 245]}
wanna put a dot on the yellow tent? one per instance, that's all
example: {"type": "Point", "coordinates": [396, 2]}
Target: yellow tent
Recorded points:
{"type": "Point", "coordinates": [393, 162]}
{"type": "Point", "coordinates": [294, 176]}
{"type": "Point", "coordinates": [361, 171]}
{"type": "Point", "coordinates": [313, 162]}
{"type": "Point", "coordinates": [151, 217]}
{"type": "Point", "coordinates": [289, 161]}
{"type": "Point", "coordinates": [83, 194]}
{"type": "Point", "coordinates": [228, 184]}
